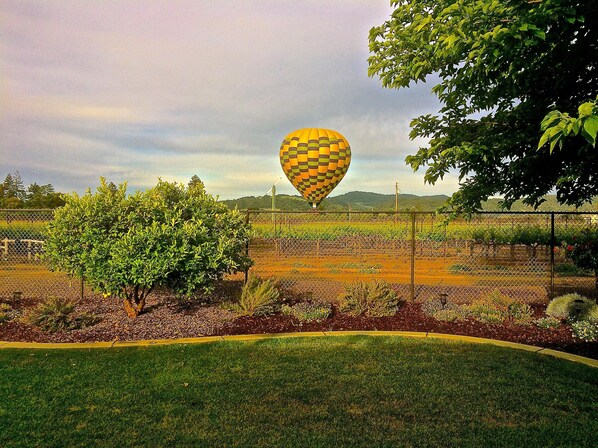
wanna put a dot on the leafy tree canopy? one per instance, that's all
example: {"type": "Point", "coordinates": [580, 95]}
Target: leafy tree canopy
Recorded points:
{"type": "Point", "coordinates": [501, 66]}
{"type": "Point", "coordinates": [127, 245]}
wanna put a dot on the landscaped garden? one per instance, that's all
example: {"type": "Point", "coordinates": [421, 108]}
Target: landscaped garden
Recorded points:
{"type": "Point", "coordinates": [316, 392]}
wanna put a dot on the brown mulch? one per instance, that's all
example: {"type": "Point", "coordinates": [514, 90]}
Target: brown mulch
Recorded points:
{"type": "Point", "coordinates": [167, 319]}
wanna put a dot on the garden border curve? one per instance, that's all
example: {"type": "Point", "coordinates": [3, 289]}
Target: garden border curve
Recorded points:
{"type": "Point", "coordinates": [256, 337]}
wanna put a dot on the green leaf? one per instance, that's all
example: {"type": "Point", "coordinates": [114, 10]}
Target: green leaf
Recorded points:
{"type": "Point", "coordinates": [590, 127]}
{"type": "Point", "coordinates": [585, 110]}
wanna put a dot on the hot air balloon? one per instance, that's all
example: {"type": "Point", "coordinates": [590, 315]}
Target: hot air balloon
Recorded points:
{"type": "Point", "coordinates": [315, 160]}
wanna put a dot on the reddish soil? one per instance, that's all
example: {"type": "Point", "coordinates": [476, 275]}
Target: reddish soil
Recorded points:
{"type": "Point", "coordinates": [164, 319]}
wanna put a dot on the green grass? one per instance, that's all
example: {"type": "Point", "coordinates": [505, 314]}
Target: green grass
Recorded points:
{"type": "Point", "coordinates": [311, 392]}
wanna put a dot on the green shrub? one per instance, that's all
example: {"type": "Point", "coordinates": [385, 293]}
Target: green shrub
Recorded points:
{"type": "Point", "coordinates": [548, 323]}
{"type": "Point", "coordinates": [569, 306]}
{"type": "Point", "coordinates": [7, 312]}
{"type": "Point", "coordinates": [585, 330]}
{"type": "Point", "coordinates": [308, 311]}
{"type": "Point", "coordinates": [373, 299]}
{"type": "Point", "coordinates": [492, 308]}
{"type": "Point", "coordinates": [258, 298]}
{"type": "Point", "coordinates": [521, 313]}
{"type": "Point", "coordinates": [125, 246]}
{"type": "Point", "coordinates": [58, 314]}
{"type": "Point", "coordinates": [591, 314]}
{"type": "Point", "coordinates": [451, 314]}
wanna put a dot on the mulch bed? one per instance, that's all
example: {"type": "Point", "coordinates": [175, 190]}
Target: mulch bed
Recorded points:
{"type": "Point", "coordinates": [164, 318]}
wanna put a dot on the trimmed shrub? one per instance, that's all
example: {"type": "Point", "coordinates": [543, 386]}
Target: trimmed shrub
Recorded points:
{"type": "Point", "coordinates": [258, 298]}
{"type": "Point", "coordinates": [585, 330]}
{"type": "Point", "coordinates": [308, 311]}
{"type": "Point", "coordinates": [591, 314]}
{"type": "Point", "coordinates": [548, 323]}
{"type": "Point", "coordinates": [58, 314]}
{"type": "Point", "coordinates": [374, 299]}
{"type": "Point", "coordinates": [569, 307]}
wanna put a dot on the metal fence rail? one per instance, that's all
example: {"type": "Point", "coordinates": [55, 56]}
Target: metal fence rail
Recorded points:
{"type": "Point", "coordinates": [317, 253]}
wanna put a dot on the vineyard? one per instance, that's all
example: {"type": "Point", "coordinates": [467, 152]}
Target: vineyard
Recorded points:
{"type": "Point", "coordinates": [316, 254]}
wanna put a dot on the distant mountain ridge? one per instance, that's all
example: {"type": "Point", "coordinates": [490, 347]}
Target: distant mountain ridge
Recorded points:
{"type": "Point", "coordinates": [367, 201]}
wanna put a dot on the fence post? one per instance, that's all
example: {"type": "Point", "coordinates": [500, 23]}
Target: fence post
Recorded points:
{"type": "Point", "coordinates": [412, 286]}
{"type": "Point", "coordinates": [552, 245]}
{"type": "Point", "coordinates": [82, 288]}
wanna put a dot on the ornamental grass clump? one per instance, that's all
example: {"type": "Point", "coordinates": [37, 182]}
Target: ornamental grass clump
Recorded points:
{"type": "Point", "coordinates": [7, 312]}
{"type": "Point", "coordinates": [569, 307]}
{"type": "Point", "coordinates": [258, 297]}
{"type": "Point", "coordinates": [373, 299]}
{"type": "Point", "coordinates": [58, 314]}
{"type": "Point", "coordinates": [308, 311]}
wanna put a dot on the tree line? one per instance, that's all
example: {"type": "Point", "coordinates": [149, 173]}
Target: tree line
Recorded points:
{"type": "Point", "coordinates": [14, 195]}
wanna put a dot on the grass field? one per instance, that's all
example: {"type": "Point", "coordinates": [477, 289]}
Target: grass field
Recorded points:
{"type": "Point", "coordinates": [318, 392]}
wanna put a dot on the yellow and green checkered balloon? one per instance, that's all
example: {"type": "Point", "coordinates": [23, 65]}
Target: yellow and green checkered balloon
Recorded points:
{"type": "Point", "coordinates": [315, 160]}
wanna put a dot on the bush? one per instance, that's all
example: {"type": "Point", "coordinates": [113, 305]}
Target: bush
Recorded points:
{"type": "Point", "coordinates": [492, 308]}
{"type": "Point", "coordinates": [591, 314]}
{"type": "Point", "coordinates": [308, 311]}
{"type": "Point", "coordinates": [569, 306]}
{"type": "Point", "coordinates": [548, 323]}
{"type": "Point", "coordinates": [451, 314]}
{"type": "Point", "coordinates": [374, 299]}
{"type": "Point", "coordinates": [585, 330]}
{"type": "Point", "coordinates": [58, 314]}
{"type": "Point", "coordinates": [258, 298]}
{"type": "Point", "coordinates": [127, 245]}
{"type": "Point", "coordinates": [521, 313]}
{"type": "Point", "coordinates": [7, 312]}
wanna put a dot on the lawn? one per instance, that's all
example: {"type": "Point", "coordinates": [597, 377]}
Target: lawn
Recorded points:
{"type": "Point", "coordinates": [311, 392]}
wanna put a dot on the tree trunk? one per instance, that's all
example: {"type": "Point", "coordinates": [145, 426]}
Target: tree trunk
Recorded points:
{"type": "Point", "coordinates": [133, 306]}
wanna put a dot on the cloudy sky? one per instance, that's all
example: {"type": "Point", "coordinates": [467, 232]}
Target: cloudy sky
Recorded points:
{"type": "Point", "coordinates": [136, 90]}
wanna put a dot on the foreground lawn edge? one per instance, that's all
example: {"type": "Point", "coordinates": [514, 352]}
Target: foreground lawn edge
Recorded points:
{"type": "Point", "coordinates": [252, 337]}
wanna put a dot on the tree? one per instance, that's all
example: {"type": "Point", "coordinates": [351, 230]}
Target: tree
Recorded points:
{"type": "Point", "coordinates": [13, 186]}
{"type": "Point", "coordinates": [501, 66]}
{"type": "Point", "coordinates": [127, 245]}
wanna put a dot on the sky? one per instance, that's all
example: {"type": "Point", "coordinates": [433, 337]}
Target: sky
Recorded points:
{"type": "Point", "coordinates": [137, 90]}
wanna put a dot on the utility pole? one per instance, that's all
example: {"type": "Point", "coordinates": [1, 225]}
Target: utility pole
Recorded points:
{"type": "Point", "coordinates": [397, 196]}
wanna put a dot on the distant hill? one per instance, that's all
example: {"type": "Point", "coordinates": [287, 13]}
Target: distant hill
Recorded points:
{"type": "Point", "coordinates": [366, 201]}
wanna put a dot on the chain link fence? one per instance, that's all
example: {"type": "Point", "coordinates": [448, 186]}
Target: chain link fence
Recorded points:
{"type": "Point", "coordinates": [316, 254]}
{"type": "Point", "coordinates": [422, 254]}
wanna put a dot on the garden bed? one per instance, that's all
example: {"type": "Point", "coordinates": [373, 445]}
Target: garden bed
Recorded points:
{"type": "Point", "coordinates": [164, 318]}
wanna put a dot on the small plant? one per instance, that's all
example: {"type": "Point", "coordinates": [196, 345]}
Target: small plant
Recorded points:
{"type": "Point", "coordinates": [58, 314]}
{"type": "Point", "coordinates": [457, 268]}
{"type": "Point", "coordinates": [548, 323]}
{"type": "Point", "coordinates": [492, 308]}
{"type": "Point", "coordinates": [374, 299]}
{"type": "Point", "coordinates": [521, 313]}
{"type": "Point", "coordinates": [7, 312]}
{"type": "Point", "coordinates": [258, 298]}
{"type": "Point", "coordinates": [585, 330]}
{"type": "Point", "coordinates": [308, 311]}
{"type": "Point", "coordinates": [569, 307]}
{"type": "Point", "coordinates": [451, 314]}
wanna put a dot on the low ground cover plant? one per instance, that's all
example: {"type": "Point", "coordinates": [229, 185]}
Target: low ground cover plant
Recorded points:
{"type": "Point", "coordinates": [125, 246]}
{"type": "Point", "coordinates": [444, 310]}
{"type": "Point", "coordinates": [58, 314]}
{"type": "Point", "coordinates": [259, 297]}
{"type": "Point", "coordinates": [548, 323]}
{"type": "Point", "coordinates": [372, 299]}
{"type": "Point", "coordinates": [308, 311]}
{"type": "Point", "coordinates": [585, 330]}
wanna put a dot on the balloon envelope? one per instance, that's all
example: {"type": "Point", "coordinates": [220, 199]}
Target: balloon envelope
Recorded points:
{"type": "Point", "coordinates": [315, 160]}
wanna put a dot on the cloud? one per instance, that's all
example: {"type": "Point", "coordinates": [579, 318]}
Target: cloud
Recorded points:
{"type": "Point", "coordinates": [140, 90]}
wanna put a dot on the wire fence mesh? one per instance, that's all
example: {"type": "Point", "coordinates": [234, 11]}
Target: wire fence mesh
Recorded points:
{"type": "Point", "coordinates": [422, 254]}
{"type": "Point", "coordinates": [316, 254]}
